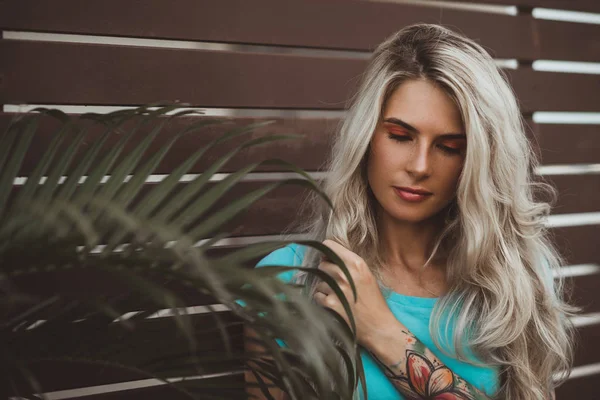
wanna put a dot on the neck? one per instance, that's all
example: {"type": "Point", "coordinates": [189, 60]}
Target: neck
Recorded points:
{"type": "Point", "coordinates": [408, 245]}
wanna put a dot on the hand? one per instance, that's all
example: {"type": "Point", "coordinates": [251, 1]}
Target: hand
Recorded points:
{"type": "Point", "coordinates": [371, 312]}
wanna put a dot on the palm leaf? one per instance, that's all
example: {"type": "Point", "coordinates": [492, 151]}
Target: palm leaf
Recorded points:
{"type": "Point", "coordinates": [58, 226]}
{"type": "Point", "coordinates": [9, 171]}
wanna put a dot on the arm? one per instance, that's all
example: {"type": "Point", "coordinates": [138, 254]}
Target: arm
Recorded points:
{"type": "Point", "coordinates": [255, 392]}
{"type": "Point", "coordinates": [415, 371]}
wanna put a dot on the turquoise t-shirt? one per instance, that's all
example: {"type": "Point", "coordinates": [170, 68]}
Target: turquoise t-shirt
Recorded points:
{"type": "Point", "coordinates": [414, 313]}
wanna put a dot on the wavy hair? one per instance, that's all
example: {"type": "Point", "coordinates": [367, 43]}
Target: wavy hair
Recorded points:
{"type": "Point", "coordinates": [500, 258]}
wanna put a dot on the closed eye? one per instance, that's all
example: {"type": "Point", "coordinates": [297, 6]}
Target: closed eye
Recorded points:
{"type": "Point", "coordinates": [446, 149]}
{"type": "Point", "coordinates": [452, 146]}
{"type": "Point", "coordinates": [449, 150]}
{"type": "Point", "coordinates": [399, 138]}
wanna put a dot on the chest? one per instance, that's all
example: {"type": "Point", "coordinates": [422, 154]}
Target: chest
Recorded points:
{"type": "Point", "coordinates": [430, 284]}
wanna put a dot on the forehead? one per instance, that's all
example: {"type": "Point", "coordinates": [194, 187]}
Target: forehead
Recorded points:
{"type": "Point", "coordinates": [424, 105]}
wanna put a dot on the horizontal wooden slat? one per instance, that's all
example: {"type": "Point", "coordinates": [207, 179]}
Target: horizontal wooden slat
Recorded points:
{"type": "Point", "coordinates": [568, 144]}
{"type": "Point", "coordinates": [82, 284]}
{"type": "Point", "coordinates": [230, 386]}
{"type": "Point", "coordinates": [279, 209]}
{"type": "Point", "coordinates": [64, 376]}
{"type": "Point", "coordinates": [358, 25]}
{"type": "Point", "coordinates": [151, 341]}
{"type": "Point", "coordinates": [576, 193]}
{"type": "Point", "coordinates": [568, 41]}
{"type": "Point", "coordinates": [579, 291]}
{"type": "Point", "coordinates": [120, 75]}
{"type": "Point", "coordinates": [574, 5]}
{"type": "Point", "coordinates": [61, 375]}
{"type": "Point", "coordinates": [574, 244]}
{"type": "Point", "coordinates": [587, 350]}
{"type": "Point", "coordinates": [557, 143]}
{"type": "Point", "coordinates": [579, 388]}
{"type": "Point", "coordinates": [270, 215]}
{"type": "Point", "coordinates": [555, 91]}
{"type": "Point", "coordinates": [582, 291]}
{"type": "Point", "coordinates": [126, 75]}
{"type": "Point", "coordinates": [577, 244]}
{"type": "Point", "coordinates": [307, 152]}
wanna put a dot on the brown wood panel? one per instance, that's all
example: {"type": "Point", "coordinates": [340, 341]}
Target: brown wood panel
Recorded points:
{"type": "Point", "coordinates": [556, 143]}
{"type": "Point", "coordinates": [585, 355]}
{"type": "Point", "coordinates": [555, 91]}
{"type": "Point", "coordinates": [82, 284]}
{"type": "Point", "coordinates": [86, 283]}
{"type": "Point", "coordinates": [568, 41]}
{"type": "Point", "coordinates": [582, 291]}
{"type": "Point", "coordinates": [56, 376]}
{"type": "Point", "coordinates": [583, 388]}
{"type": "Point", "coordinates": [236, 79]}
{"type": "Point", "coordinates": [307, 152]}
{"type": "Point", "coordinates": [578, 244]}
{"type": "Point", "coordinates": [568, 143]}
{"type": "Point", "coordinates": [278, 209]}
{"type": "Point", "coordinates": [269, 215]}
{"type": "Point", "coordinates": [574, 5]}
{"type": "Point", "coordinates": [357, 25]}
{"type": "Point", "coordinates": [148, 344]}
{"type": "Point", "coordinates": [125, 75]}
{"type": "Point", "coordinates": [576, 193]}
{"type": "Point", "coordinates": [60, 375]}
{"type": "Point", "coordinates": [587, 350]}
{"type": "Point", "coordinates": [230, 386]}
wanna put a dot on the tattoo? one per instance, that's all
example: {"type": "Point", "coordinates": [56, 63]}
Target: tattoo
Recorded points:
{"type": "Point", "coordinates": [421, 376]}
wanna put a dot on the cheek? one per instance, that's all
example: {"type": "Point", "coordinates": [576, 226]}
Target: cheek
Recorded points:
{"type": "Point", "coordinates": [376, 160]}
{"type": "Point", "coordinates": [451, 176]}
{"type": "Point", "coordinates": [380, 163]}
{"type": "Point", "coordinates": [386, 156]}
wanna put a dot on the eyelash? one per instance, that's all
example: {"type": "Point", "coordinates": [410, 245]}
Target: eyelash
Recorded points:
{"type": "Point", "coordinates": [401, 138]}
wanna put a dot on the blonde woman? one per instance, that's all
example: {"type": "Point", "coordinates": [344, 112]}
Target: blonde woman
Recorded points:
{"type": "Point", "coordinates": [431, 179]}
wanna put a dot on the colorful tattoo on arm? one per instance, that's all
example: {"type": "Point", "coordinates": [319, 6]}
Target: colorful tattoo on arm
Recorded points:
{"type": "Point", "coordinates": [421, 376]}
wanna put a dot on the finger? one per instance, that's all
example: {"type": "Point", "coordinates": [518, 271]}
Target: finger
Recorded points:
{"type": "Point", "coordinates": [332, 270]}
{"type": "Point", "coordinates": [319, 298]}
{"type": "Point", "coordinates": [324, 287]}
{"type": "Point", "coordinates": [326, 301]}
{"type": "Point", "coordinates": [331, 303]}
{"type": "Point", "coordinates": [350, 259]}
{"type": "Point", "coordinates": [340, 250]}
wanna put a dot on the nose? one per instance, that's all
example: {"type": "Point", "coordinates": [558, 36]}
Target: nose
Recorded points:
{"type": "Point", "coordinates": [419, 161]}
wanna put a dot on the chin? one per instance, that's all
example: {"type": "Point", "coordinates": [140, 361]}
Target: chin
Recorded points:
{"type": "Point", "coordinates": [414, 214]}
{"type": "Point", "coordinates": [417, 219]}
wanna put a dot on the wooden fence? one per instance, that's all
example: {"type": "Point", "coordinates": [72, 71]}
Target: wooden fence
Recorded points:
{"type": "Point", "coordinates": [299, 61]}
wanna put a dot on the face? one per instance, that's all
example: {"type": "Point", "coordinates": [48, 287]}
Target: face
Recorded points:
{"type": "Point", "coordinates": [417, 152]}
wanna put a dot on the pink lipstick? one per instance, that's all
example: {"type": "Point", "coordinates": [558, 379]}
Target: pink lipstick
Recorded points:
{"type": "Point", "coordinates": [412, 194]}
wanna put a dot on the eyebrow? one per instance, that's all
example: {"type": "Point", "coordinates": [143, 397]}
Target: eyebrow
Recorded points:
{"type": "Point", "coordinates": [407, 126]}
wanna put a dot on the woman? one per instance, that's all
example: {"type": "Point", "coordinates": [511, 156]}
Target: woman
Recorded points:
{"type": "Point", "coordinates": [434, 215]}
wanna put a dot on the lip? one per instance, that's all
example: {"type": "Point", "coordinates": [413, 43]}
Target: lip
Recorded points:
{"type": "Point", "coordinates": [411, 194]}
{"type": "Point", "coordinates": [413, 190]}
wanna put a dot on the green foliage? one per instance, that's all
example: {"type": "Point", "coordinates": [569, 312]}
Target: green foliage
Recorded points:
{"type": "Point", "coordinates": [80, 251]}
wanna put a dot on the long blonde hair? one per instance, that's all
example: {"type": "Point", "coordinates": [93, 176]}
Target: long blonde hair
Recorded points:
{"type": "Point", "coordinates": [500, 260]}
